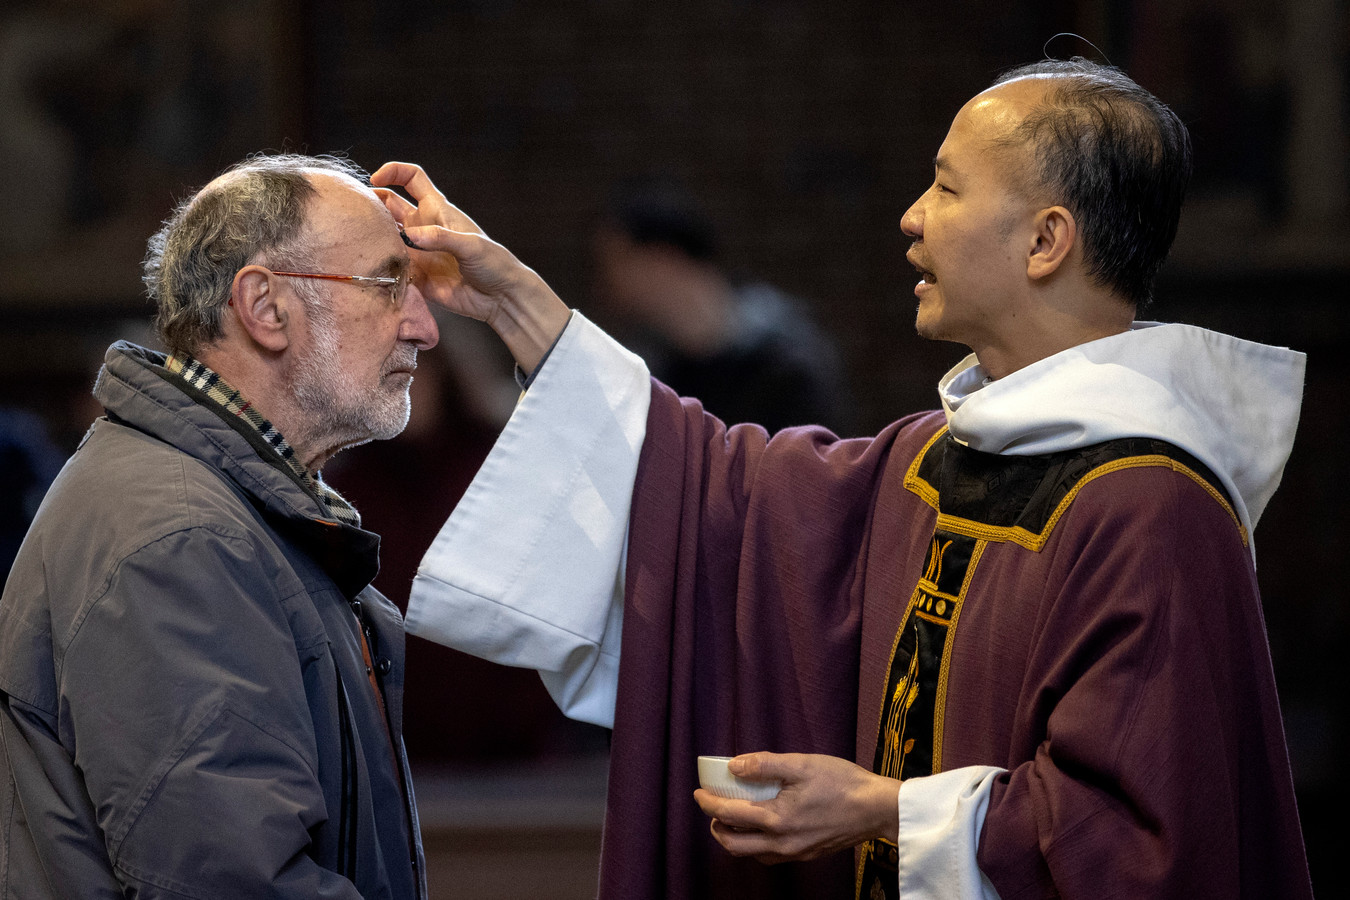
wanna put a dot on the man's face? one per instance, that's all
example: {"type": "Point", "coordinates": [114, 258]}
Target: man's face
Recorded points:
{"type": "Point", "coordinates": [354, 364]}
{"type": "Point", "coordinates": [970, 240]}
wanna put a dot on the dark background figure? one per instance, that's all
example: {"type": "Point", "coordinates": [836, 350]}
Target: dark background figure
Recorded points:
{"type": "Point", "coordinates": [806, 128]}
{"type": "Point", "coordinates": [29, 460]}
{"type": "Point", "coordinates": [746, 349]}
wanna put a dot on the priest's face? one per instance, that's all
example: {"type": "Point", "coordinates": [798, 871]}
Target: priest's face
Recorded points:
{"type": "Point", "coordinates": [971, 227]}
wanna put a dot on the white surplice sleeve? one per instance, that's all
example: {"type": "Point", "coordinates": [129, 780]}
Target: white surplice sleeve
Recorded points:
{"type": "Point", "coordinates": [941, 817]}
{"type": "Point", "coordinates": [528, 570]}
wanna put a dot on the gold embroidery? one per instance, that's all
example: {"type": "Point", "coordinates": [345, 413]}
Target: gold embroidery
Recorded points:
{"type": "Point", "coordinates": [1036, 540]}
{"type": "Point", "coordinates": [893, 758]}
{"type": "Point", "coordinates": [940, 704]}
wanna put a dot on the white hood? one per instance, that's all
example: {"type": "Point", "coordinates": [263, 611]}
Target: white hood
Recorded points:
{"type": "Point", "coordinates": [1233, 404]}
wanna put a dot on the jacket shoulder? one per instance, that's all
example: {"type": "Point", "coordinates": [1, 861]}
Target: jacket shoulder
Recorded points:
{"type": "Point", "coordinates": [139, 487]}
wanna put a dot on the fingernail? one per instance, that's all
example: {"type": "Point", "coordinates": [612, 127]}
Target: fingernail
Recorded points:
{"type": "Point", "coordinates": [407, 240]}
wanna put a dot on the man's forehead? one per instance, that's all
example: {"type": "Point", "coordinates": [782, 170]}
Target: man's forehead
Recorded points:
{"type": "Point", "coordinates": [344, 203]}
{"type": "Point", "coordinates": [1008, 103]}
{"type": "Point", "coordinates": [338, 188]}
{"type": "Point", "coordinates": [992, 115]}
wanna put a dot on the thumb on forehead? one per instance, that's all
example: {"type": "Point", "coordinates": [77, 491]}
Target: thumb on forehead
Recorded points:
{"type": "Point", "coordinates": [396, 203]}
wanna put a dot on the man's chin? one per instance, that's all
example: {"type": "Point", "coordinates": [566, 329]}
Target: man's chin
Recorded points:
{"type": "Point", "coordinates": [927, 327]}
{"type": "Point", "coordinates": [388, 430]}
{"type": "Point", "coordinates": [392, 425]}
{"type": "Point", "coordinates": [388, 423]}
{"type": "Point", "coordinates": [930, 324]}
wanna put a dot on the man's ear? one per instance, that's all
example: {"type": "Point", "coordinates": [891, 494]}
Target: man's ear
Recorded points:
{"type": "Point", "coordinates": [262, 310]}
{"type": "Point", "coordinates": [1054, 237]}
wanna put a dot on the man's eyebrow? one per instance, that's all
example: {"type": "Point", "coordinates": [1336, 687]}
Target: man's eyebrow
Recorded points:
{"type": "Point", "coordinates": [943, 166]}
{"type": "Point", "coordinates": [395, 266]}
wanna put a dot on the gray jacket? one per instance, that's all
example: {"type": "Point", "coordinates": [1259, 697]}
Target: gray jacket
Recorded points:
{"type": "Point", "coordinates": [185, 708]}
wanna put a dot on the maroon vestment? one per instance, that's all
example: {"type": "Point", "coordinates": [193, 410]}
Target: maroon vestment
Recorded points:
{"type": "Point", "coordinates": [1103, 643]}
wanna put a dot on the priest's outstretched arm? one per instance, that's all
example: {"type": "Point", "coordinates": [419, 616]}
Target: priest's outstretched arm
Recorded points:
{"type": "Point", "coordinates": [529, 570]}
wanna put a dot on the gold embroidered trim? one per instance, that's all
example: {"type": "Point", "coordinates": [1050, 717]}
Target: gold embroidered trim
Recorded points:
{"type": "Point", "coordinates": [1033, 540]}
{"type": "Point", "coordinates": [940, 700]}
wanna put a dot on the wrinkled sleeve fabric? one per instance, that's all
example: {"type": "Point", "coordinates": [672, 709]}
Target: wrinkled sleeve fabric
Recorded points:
{"type": "Point", "coordinates": [741, 632]}
{"type": "Point", "coordinates": [206, 784]}
{"type": "Point", "coordinates": [1152, 757]}
{"type": "Point", "coordinates": [46, 822]}
{"type": "Point", "coordinates": [527, 571]}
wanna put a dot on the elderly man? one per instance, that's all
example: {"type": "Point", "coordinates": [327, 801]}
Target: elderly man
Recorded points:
{"type": "Point", "coordinates": [1010, 648]}
{"type": "Point", "coordinates": [199, 693]}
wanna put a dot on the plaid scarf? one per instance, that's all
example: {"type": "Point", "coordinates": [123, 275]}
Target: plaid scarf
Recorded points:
{"type": "Point", "coordinates": [219, 391]}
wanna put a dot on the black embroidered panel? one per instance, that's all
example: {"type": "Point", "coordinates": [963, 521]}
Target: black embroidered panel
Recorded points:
{"type": "Point", "coordinates": [1024, 491]}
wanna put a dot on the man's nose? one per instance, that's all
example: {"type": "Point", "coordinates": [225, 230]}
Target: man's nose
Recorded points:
{"type": "Point", "coordinates": [911, 223]}
{"type": "Point", "coordinates": [419, 325]}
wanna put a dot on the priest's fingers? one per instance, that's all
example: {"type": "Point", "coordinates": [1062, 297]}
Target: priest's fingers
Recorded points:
{"type": "Point", "coordinates": [431, 206]}
{"type": "Point", "coordinates": [400, 206]}
{"type": "Point", "coordinates": [766, 848]}
{"type": "Point", "coordinates": [765, 766]}
{"type": "Point", "coordinates": [409, 176]}
{"type": "Point", "coordinates": [740, 814]}
{"type": "Point", "coordinates": [826, 804]}
{"type": "Point", "coordinates": [466, 273]}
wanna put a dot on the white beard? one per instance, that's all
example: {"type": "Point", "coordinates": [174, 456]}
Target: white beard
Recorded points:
{"type": "Point", "coordinates": [342, 411]}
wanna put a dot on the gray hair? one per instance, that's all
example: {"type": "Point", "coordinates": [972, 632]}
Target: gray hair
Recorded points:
{"type": "Point", "coordinates": [256, 211]}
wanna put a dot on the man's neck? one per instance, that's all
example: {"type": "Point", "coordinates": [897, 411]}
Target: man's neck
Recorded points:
{"type": "Point", "coordinates": [259, 381]}
{"type": "Point", "coordinates": [1088, 314]}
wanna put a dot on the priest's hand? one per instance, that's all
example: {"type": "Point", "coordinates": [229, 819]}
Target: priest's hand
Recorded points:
{"type": "Point", "coordinates": [460, 268]}
{"type": "Point", "coordinates": [826, 804]}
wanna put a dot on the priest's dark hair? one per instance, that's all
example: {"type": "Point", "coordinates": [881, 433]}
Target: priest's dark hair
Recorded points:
{"type": "Point", "coordinates": [659, 209]}
{"type": "Point", "coordinates": [1116, 157]}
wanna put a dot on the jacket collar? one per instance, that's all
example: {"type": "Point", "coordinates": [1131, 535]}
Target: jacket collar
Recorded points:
{"type": "Point", "coordinates": [136, 389]}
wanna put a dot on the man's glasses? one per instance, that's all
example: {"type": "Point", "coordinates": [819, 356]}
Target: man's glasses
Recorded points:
{"type": "Point", "coordinates": [398, 286]}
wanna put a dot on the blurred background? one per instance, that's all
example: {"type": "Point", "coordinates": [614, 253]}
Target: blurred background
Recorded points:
{"type": "Point", "coordinates": [793, 134]}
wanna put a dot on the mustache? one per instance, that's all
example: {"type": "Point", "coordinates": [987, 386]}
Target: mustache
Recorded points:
{"type": "Point", "coordinates": [915, 256]}
{"type": "Point", "coordinates": [403, 359]}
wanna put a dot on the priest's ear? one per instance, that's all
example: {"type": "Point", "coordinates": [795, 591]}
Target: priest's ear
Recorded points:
{"type": "Point", "coordinates": [1054, 236]}
{"type": "Point", "coordinates": [263, 307]}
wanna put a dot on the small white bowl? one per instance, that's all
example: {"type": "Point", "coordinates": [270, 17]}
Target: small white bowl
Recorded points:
{"type": "Point", "coordinates": [714, 777]}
